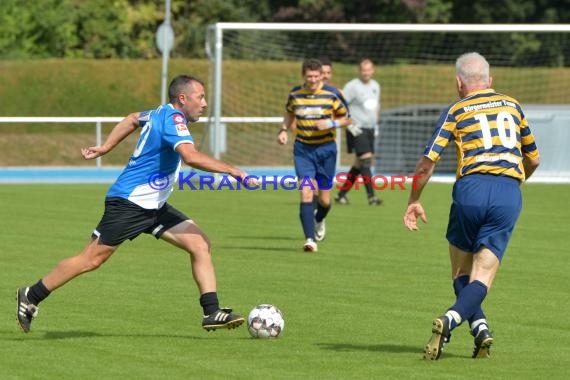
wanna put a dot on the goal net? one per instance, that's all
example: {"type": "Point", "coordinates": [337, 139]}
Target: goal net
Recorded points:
{"type": "Point", "coordinates": [254, 66]}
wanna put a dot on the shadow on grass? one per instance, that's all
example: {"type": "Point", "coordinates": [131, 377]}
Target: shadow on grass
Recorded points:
{"type": "Point", "coordinates": [276, 238]}
{"type": "Point", "coordinates": [60, 335]}
{"type": "Point", "coordinates": [256, 248]}
{"type": "Point", "coordinates": [386, 347]}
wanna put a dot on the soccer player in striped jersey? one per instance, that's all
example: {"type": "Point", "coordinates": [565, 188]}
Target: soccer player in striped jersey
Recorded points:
{"type": "Point", "coordinates": [496, 152]}
{"type": "Point", "coordinates": [137, 203]}
{"type": "Point", "coordinates": [317, 109]}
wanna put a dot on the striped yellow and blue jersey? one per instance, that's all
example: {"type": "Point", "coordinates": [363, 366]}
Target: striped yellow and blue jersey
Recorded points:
{"type": "Point", "coordinates": [326, 103]}
{"type": "Point", "coordinates": [491, 134]}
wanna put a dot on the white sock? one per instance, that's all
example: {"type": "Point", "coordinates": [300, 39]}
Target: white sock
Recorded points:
{"type": "Point", "coordinates": [479, 325]}
{"type": "Point", "coordinates": [452, 314]}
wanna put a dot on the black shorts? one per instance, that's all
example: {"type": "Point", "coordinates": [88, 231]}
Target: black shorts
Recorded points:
{"type": "Point", "coordinates": [124, 220]}
{"type": "Point", "coordinates": [361, 144]}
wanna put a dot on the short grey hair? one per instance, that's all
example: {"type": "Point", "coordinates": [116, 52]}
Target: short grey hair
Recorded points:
{"type": "Point", "coordinates": [472, 69]}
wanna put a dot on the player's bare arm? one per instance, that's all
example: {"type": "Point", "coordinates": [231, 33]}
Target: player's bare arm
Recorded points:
{"type": "Point", "coordinates": [288, 122]}
{"type": "Point", "coordinates": [530, 165]}
{"type": "Point", "coordinates": [124, 128]}
{"type": "Point", "coordinates": [415, 210]}
{"type": "Point", "coordinates": [202, 161]}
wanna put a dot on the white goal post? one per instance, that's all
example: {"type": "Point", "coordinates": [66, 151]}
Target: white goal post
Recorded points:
{"type": "Point", "coordinates": [253, 66]}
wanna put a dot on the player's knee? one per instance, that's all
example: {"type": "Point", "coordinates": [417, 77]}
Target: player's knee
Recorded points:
{"type": "Point", "coordinates": [208, 245]}
{"type": "Point", "coordinates": [307, 193]}
{"type": "Point", "coordinates": [94, 263]}
{"type": "Point", "coordinates": [93, 260]}
{"type": "Point", "coordinates": [201, 247]}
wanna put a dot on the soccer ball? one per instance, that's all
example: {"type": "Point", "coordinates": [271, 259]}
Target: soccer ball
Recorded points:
{"type": "Point", "coordinates": [265, 321]}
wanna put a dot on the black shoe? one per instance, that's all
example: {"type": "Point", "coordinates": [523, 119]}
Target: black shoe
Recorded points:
{"type": "Point", "coordinates": [341, 200]}
{"type": "Point", "coordinates": [222, 319]}
{"type": "Point", "coordinates": [440, 336]}
{"type": "Point", "coordinates": [483, 342]}
{"type": "Point", "coordinates": [26, 310]}
{"type": "Point", "coordinates": [373, 201]}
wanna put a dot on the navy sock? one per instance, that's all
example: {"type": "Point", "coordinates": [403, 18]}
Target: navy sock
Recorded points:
{"type": "Point", "coordinates": [306, 214]}
{"type": "Point", "coordinates": [322, 212]}
{"type": "Point", "coordinates": [469, 301]}
{"type": "Point", "coordinates": [458, 284]}
{"type": "Point", "coordinates": [209, 302]}
{"type": "Point", "coordinates": [351, 176]}
{"type": "Point", "coordinates": [38, 292]}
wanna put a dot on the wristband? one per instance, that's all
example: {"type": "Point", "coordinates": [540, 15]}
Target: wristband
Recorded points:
{"type": "Point", "coordinates": [333, 124]}
{"type": "Point", "coordinates": [282, 130]}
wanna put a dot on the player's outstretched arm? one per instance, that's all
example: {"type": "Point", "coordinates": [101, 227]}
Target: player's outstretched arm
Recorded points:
{"type": "Point", "coordinates": [202, 161]}
{"type": "Point", "coordinates": [124, 128]}
{"type": "Point", "coordinates": [415, 210]}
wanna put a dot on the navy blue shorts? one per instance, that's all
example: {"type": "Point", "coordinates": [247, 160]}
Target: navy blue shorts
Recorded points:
{"type": "Point", "coordinates": [315, 161]}
{"type": "Point", "coordinates": [484, 211]}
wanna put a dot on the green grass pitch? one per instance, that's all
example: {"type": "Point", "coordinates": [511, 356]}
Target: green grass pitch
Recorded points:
{"type": "Point", "coordinates": [360, 308]}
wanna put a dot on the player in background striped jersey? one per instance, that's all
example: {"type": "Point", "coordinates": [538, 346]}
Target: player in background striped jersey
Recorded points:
{"type": "Point", "coordinates": [317, 109]}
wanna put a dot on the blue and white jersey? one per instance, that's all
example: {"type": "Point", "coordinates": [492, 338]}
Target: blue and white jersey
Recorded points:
{"type": "Point", "coordinates": [149, 177]}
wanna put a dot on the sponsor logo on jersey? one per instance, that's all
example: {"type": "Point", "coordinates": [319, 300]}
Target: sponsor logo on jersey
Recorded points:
{"type": "Point", "coordinates": [311, 112]}
{"type": "Point", "coordinates": [182, 130]}
{"type": "Point", "coordinates": [178, 119]}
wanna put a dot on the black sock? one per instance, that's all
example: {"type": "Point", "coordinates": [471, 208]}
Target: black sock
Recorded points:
{"type": "Point", "coordinates": [315, 201]}
{"type": "Point", "coordinates": [37, 293]}
{"type": "Point", "coordinates": [368, 185]}
{"type": "Point", "coordinates": [365, 166]}
{"type": "Point", "coordinates": [209, 302]}
{"type": "Point", "coordinates": [321, 212]}
{"type": "Point", "coordinates": [351, 176]}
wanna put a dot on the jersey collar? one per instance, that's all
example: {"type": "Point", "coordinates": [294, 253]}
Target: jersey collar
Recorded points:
{"type": "Point", "coordinates": [480, 92]}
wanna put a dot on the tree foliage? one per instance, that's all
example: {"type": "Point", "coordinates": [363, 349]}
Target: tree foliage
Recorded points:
{"type": "Point", "coordinates": [127, 28]}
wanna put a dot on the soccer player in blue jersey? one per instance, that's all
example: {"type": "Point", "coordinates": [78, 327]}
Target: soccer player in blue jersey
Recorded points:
{"type": "Point", "coordinates": [496, 153]}
{"type": "Point", "coordinates": [317, 109]}
{"type": "Point", "coordinates": [136, 202]}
